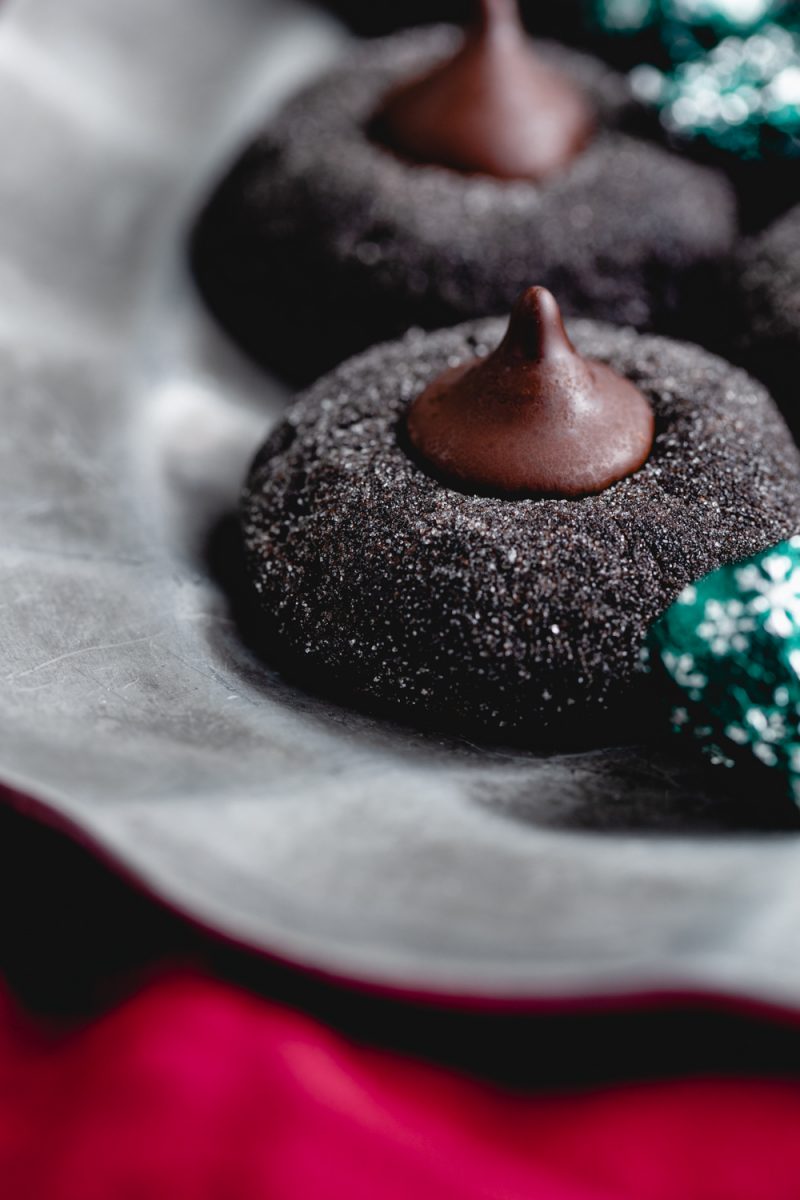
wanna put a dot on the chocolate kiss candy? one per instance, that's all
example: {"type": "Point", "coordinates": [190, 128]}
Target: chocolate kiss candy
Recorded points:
{"type": "Point", "coordinates": [493, 108]}
{"type": "Point", "coordinates": [534, 418]}
{"type": "Point", "coordinates": [728, 652]}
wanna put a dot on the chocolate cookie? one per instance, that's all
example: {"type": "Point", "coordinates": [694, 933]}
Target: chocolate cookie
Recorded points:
{"type": "Point", "coordinates": [320, 227]}
{"type": "Point", "coordinates": [766, 327]}
{"type": "Point", "coordinates": [521, 616]}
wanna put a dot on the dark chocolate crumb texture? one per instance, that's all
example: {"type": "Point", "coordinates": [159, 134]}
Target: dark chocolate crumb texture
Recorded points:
{"type": "Point", "coordinates": [321, 227]}
{"type": "Point", "coordinates": [516, 616]}
{"type": "Point", "coordinates": [767, 325]}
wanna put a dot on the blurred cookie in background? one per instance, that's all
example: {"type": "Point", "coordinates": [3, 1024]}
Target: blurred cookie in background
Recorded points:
{"type": "Point", "coordinates": [766, 326]}
{"type": "Point", "coordinates": [431, 175]}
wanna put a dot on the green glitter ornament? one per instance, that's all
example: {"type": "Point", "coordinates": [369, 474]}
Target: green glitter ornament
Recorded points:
{"type": "Point", "coordinates": [729, 651]}
{"type": "Point", "coordinates": [742, 98]}
{"type": "Point", "coordinates": [686, 26]}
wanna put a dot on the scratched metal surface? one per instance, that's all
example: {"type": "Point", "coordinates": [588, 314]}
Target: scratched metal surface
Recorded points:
{"type": "Point", "coordinates": [129, 701]}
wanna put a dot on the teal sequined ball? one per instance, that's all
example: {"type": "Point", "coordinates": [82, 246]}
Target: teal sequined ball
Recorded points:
{"type": "Point", "coordinates": [729, 648]}
{"type": "Point", "coordinates": [741, 98]}
{"type": "Point", "coordinates": [721, 73]}
{"type": "Point", "coordinates": [686, 24]}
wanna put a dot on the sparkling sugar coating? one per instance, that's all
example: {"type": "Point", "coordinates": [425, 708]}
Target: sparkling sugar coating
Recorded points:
{"type": "Point", "coordinates": [730, 646]}
{"type": "Point", "coordinates": [510, 615]}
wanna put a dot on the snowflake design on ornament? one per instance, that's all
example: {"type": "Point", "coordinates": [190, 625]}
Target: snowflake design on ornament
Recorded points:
{"type": "Point", "coordinates": [763, 730]}
{"type": "Point", "coordinates": [726, 626]}
{"type": "Point", "coordinates": [683, 669]}
{"type": "Point", "coordinates": [732, 648]}
{"type": "Point", "coordinates": [775, 585]}
{"type": "Point", "coordinates": [769, 725]}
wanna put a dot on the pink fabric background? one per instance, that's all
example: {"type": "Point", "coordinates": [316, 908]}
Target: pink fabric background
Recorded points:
{"type": "Point", "coordinates": [194, 1090]}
